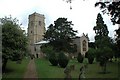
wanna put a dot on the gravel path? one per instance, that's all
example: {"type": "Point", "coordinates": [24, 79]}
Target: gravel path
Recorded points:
{"type": "Point", "coordinates": [31, 73]}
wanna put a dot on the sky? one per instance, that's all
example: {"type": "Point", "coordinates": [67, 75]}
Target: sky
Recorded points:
{"type": "Point", "coordinates": [83, 13]}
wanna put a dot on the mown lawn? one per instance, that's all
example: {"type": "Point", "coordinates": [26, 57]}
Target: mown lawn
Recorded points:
{"type": "Point", "coordinates": [46, 70]}
{"type": "Point", "coordinates": [15, 70]}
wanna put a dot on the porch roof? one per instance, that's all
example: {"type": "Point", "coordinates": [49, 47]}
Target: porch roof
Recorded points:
{"type": "Point", "coordinates": [41, 42]}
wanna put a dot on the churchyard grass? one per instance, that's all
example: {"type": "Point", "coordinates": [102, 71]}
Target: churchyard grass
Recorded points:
{"type": "Point", "coordinates": [15, 70]}
{"type": "Point", "coordinates": [46, 70]}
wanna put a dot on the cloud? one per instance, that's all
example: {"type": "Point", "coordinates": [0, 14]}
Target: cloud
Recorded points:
{"type": "Point", "coordinates": [83, 13]}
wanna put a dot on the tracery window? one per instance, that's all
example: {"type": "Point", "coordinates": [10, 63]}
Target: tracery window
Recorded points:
{"type": "Point", "coordinates": [84, 45]}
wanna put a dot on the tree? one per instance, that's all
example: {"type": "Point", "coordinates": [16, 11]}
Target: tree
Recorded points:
{"type": "Point", "coordinates": [62, 60]}
{"type": "Point", "coordinates": [118, 39]}
{"type": "Point", "coordinates": [91, 55]}
{"type": "Point", "coordinates": [102, 42]}
{"type": "Point", "coordinates": [14, 41]}
{"type": "Point", "coordinates": [104, 54]}
{"type": "Point", "coordinates": [80, 58]}
{"type": "Point", "coordinates": [91, 44]}
{"type": "Point", "coordinates": [112, 9]}
{"type": "Point", "coordinates": [101, 32]}
{"type": "Point", "coordinates": [61, 35]}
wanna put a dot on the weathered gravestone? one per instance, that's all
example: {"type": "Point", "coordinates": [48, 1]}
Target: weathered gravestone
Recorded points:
{"type": "Point", "coordinates": [67, 72]}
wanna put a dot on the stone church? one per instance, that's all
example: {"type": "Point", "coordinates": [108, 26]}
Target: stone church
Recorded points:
{"type": "Point", "coordinates": [82, 44]}
{"type": "Point", "coordinates": [36, 30]}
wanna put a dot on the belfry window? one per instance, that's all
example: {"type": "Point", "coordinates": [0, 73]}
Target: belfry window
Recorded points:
{"type": "Point", "coordinates": [40, 23]}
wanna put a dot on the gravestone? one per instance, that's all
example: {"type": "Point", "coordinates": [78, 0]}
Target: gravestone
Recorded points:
{"type": "Point", "coordinates": [67, 72]}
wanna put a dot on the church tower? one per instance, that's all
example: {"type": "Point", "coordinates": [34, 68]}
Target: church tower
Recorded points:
{"type": "Point", "coordinates": [36, 30]}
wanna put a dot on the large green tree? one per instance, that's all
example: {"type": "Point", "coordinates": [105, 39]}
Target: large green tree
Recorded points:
{"type": "Point", "coordinates": [14, 41]}
{"type": "Point", "coordinates": [61, 34]}
{"type": "Point", "coordinates": [101, 32]}
{"type": "Point", "coordinates": [102, 42]}
{"type": "Point", "coordinates": [118, 41]}
{"type": "Point", "coordinates": [112, 8]}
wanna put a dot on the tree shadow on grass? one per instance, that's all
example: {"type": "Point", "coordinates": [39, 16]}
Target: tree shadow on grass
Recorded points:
{"type": "Point", "coordinates": [107, 72]}
{"type": "Point", "coordinates": [58, 66]}
{"type": "Point", "coordinates": [8, 70]}
{"type": "Point", "coordinates": [53, 65]}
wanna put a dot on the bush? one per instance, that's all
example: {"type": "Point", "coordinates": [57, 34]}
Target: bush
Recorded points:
{"type": "Point", "coordinates": [80, 58]}
{"type": "Point", "coordinates": [47, 50]}
{"type": "Point", "coordinates": [54, 62]}
{"type": "Point", "coordinates": [62, 60]}
{"type": "Point", "coordinates": [53, 58]}
{"type": "Point", "coordinates": [90, 60]}
{"type": "Point", "coordinates": [105, 52]}
{"type": "Point", "coordinates": [16, 57]}
{"type": "Point", "coordinates": [50, 54]}
{"type": "Point", "coordinates": [91, 55]}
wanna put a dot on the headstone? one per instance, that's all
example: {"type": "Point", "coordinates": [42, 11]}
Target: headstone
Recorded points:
{"type": "Point", "coordinates": [82, 71]}
{"type": "Point", "coordinates": [67, 72]}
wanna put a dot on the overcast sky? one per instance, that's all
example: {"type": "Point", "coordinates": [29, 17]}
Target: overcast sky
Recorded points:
{"type": "Point", "coordinates": [83, 13]}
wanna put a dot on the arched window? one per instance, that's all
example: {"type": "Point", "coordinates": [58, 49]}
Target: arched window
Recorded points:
{"type": "Point", "coordinates": [84, 45]}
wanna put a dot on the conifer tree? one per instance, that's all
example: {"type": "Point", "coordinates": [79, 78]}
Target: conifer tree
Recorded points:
{"type": "Point", "coordinates": [112, 8]}
{"type": "Point", "coordinates": [102, 42]}
{"type": "Point", "coordinates": [101, 32]}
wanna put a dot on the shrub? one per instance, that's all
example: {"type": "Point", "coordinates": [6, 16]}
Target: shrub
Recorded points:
{"type": "Point", "coordinates": [16, 57]}
{"type": "Point", "coordinates": [47, 50]}
{"type": "Point", "coordinates": [62, 60]}
{"type": "Point", "coordinates": [90, 60]}
{"type": "Point", "coordinates": [53, 57]}
{"type": "Point", "coordinates": [91, 55]}
{"type": "Point", "coordinates": [50, 54]}
{"type": "Point", "coordinates": [106, 54]}
{"type": "Point", "coordinates": [80, 58]}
